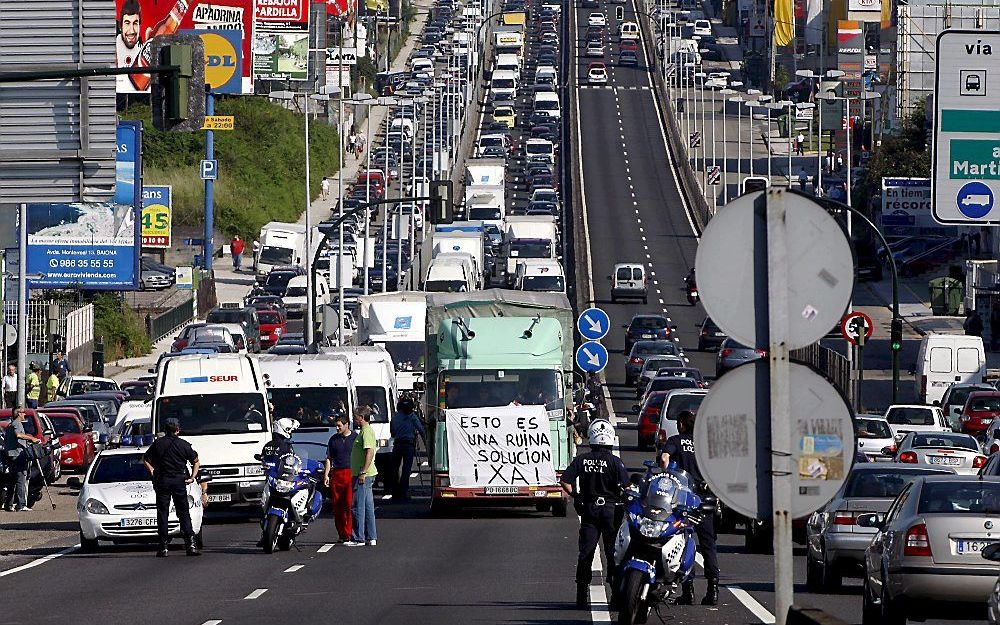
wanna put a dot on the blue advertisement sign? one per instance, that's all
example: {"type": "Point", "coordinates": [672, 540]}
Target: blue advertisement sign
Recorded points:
{"type": "Point", "coordinates": [128, 163]}
{"type": "Point", "coordinates": [223, 58]}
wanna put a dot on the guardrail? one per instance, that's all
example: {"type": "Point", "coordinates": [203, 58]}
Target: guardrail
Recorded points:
{"type": "Point", "coordinates": [163, 324]}
{"type": "Point", "coordinates": [829, 362]}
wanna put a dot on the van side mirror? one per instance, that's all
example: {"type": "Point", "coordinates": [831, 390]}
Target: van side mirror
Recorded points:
{"type": "Point", "coordinates": [77, 483]}
{"type": "Point", "coordinates": [936, 403]}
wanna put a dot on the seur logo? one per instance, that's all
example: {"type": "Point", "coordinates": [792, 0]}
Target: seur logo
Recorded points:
{"type": "Point", "coordinates": [223, 378]}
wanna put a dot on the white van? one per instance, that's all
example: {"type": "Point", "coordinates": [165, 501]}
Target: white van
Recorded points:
{"type": "Point", "coordinates": [312, 388]}
{"type": "Point", "coordinates": [422, 64]}
{"type": "Point", "coordinates": [946, 359]}
{"type": "Point", "coordinates": [508, 62]}
{"type": "Point", "coordinates": [471, 265]}
{"type": "Point", "coordinates": [547, 102]}
{"type": "Point", "coordinates": [238, 333]}
{"type": "Point", "coordinates": [540, 274]}
{"type": "Point", "coordinates": [503, 85]}
{"type": "Point", "coordinates": [220, 403]}
{"type": "Point", "coordinates": [540, 148]}
{"type": "Point", "coordinates": [448, 276]}
{"type": "Point", "coordinates": [547, 75]}
{"type": "Point", "coordinates": [295, 295]}
{"type": "Point", "coordinates": [629, 30]}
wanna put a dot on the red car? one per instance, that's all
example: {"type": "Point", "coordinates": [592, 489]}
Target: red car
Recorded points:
{"type": "Point", "coordinates": [273, 324]}
{"type": "Point", "coordinates": [981, 407]}
{"type": "Point", "coordinates": [182, 339]}
{"type": "Point", "coordinates": [36, 425]}
{"type": "Point", "coordinates": [78, 449]}
{"type": "Point", "coordinates": [649, 419]}
{"type": "Point", "coordinates": [628, 44]}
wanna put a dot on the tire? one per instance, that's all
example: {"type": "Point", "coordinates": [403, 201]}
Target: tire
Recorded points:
{"type": "Point", "coordinates": [870, 613]}
{"type": "Point", "coordinates": [892, 612]}
{"type": "Point", "coordinates": [814, 575]}
{"type": "Point", "coordinates": [559, 508]}
{"type": "Point", "coordinates": [271, 533]}
{"type": "Point", "coordinates": [88, 545]}
{"type": "Point", "coordinates": [831, 577]}
{"type": "Point", "coordinates": [284, 542]}
{"type": "Point", "coordinates": [629, 610]}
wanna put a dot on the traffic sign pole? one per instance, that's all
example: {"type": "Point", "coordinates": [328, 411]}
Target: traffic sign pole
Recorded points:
{"type": "Point", "coordinates": [862, 337]}
{"type": "Point", "coordinates": [206, 250]}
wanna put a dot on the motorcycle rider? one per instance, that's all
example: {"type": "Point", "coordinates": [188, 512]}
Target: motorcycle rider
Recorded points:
{"type": "Point", "coordinates": [279, 445]}
{"type": "Point", "coordinates": [602, 477]}
{"type": "Point", "coordinates": [690, 282]}
{"type": "Point", "coordinates": [679, 449]}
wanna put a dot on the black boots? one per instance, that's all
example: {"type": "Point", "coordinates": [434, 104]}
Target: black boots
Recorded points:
{"type": "Point", "coordinates": [192, 547]}
{"type": "Point", "coordinates": [712, 594]}
{"type": "Point", "coordinates": [583, 596]}
{"type": "Point", "coordinates": [162, 552]}
{"type": "Point", "coordinates": [687, 593]}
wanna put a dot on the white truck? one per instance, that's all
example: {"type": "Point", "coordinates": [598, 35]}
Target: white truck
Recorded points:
{"type": "Point", "coordinates": [527, 236]}
{"type": "Point", "coordinates": [540, 274]}
{"type": "Point", "coordinates": [395, 320]}
{"type": "Point", "coordinates": [503, 85]}
{"type": "Point", "coordinates": [471, 243]}
{"type": "Point", "coordinates": [280, 244]}
{"type": "Point", "coordinates": [485, 190]}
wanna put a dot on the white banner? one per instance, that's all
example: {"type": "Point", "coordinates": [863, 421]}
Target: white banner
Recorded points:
{"type": "Point", "coordinates": [502, 446]}
{"type": "Point", "coordinates": [814, 22]}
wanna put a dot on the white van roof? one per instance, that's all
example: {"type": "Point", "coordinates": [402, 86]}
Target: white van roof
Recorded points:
{"type": "Point", "coordinates": [305, 370]}
{"type": "Point", "coordinates": [542, 267]}
{"type": "Point", "coordinates": [208, 374]}
{"type": "Point", "coordinates": [370, 364]}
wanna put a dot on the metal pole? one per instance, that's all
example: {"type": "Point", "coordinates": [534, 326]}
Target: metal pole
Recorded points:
{"type": "Point", "coordinates": [365, 260]}
{"type": "Point", "coordinates": [819, 147]}
{"type": "Point", "coordinates": [767, 143]}
{"type": "Point", "coordinates": [850, 304]}
{"type": "Point", "coordinates": [862, 335]}
{"type": "Point", "coordinates": [715, 161]}
{"type": "Point", "coordinates": [703, 140]}
{"type": "Point", "coordinates": [789, 125]}
{"type": "Point", "coordinates": [22, 303]}
{"type": "Point", "coordinates": [739, 148]}
{"type": "Point", "coordinates": [309, 311]}
{"type": "Point", "coordinates": [340, 203]}
{"type": "Point", "coordinates": [413, 173]}
{"type": "Point", "coordinates": [725, 157]}
{"type": "Point", "coordinates": [206, 248]}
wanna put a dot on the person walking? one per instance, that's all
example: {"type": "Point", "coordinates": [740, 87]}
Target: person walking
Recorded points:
{"type": "Point", "coordinates": [602, 477]}
{"type": "Point", "coordinates": [363, 472]}
{"type": "Point", "coordinates": [51, 386]}
{"type": "Point", "coordinates": [404, 429]}
{"type": "Point", "coordinates": [167, 460]}
{"type": "Point", "coordinates": [256, 253]}
{"type": "Point", "coordinates": [803, 179]}
{"type": "Point", "coordinates": [60, 366]}
{"type": "Point", "coordinates": [10, 387]}
{"type": "Point", "coordinates": [973, 324]}
{"type": "Point", "coordinates": [33, 386]}
{"type": "Point", "coordinates": [325, 188]}
{"type": "Point", "coordinates": [679, 449]}
{"type": "Point", "coordinates": [800, 144]}
{"type": "Point", "coordinates": [337, 475]}
{"type": "Point", "coordinates": [236, 247]}
{"type": "Point", "coordinates": [16, 442]}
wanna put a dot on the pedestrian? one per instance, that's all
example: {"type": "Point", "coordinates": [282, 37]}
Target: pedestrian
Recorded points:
{"type": "Point", "coordinates": [818, 191]}
{"type": "Point", "coordinates": [679, 449]}
{"type": "Point", "coordinates": [840, 162]}
{"type": "Point", "coordinates": [800, 144]}
{"type": "Point", "coordinates": [236, 247]}
{"type": "Point", "coordinates": [16, 442]}
{"type": "Point", "coordinates": [325, 188]}
{"type": "Point", "coordinates": [167, 460]}
{"type": "Point", "coordinates": [803, 179]}
{"type": "Point", "coordinates": [10, 387]}
{"type": "Point", "coordinates": [256, 253]}
{"type": "Point", "coordinates": [602, 477]}
{"type": "Point", "coordinates": [973, 324]}
{"type": "Point", "coordinates": [363, 472]}
{"type": "Point", "coordinates": [61, 365]}
{"type": "Point", "coordinates": [51, 386]}
{"type": "Point", "coordinates": [404, 428]}
{"type": "Point", "coordinates": [33, 386]}
{"type": "Point", "coordinates": [337, 475]}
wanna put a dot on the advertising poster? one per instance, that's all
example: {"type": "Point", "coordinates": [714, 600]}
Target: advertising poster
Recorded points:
{"type": "Point", "coordinates": [138, 21]}
{"type": "Point", "coordinates": [157, 217]}
{"type": "Point", "coordinates": [906, 207]}
{"type": "Point", "coordinates": [223, 59]}
{"type": "Point", "coordinates": [128, 163]}
{"type": "Point", "coordinates": [281, 40]}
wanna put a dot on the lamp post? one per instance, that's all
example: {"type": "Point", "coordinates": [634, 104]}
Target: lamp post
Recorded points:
{"type": "Point", "coordinates": [726, 93]}
{"type": "Point", "coordinates": [808, 106]}
{"type": "Point", "coordinates": [765, 103]}
{"type": "Point", "coordinates": [750, 103]}
{"type": "Point", "coordinates": [701, 138]}
{"type": "Point", "coordinates": [787, 106]}
{"type": "Point", "coordinates": [831, 74]}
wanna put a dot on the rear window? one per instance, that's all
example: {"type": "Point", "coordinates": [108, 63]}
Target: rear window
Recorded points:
{"type": "Point", "coordinates": [960, 498]}
{"type": "Point", "coordinates": [656, 400]}
{"type": "Point", "coordinates": [968, 360]}
{"type": "Point", "coordinates": [624, 273]}
{"type": "Point", "coordinates": [680, 403]}
{"type": "Point", "coordinates": [650, 323]}
{"type": "Point", "coordinates": [871, 428]}
{"type": "Point", "coordinates": [646, 348]}
{"type": "Point", "coordinates": [910, 416]}
{"type": "Point", "coordinates": [940, 360]}
{"type": "Point", "coordinates": [988, 402]}
{"type": "Point", "coordinates": [269, 317]}
{"type": "Point", "coordinates": [879, 484]}
{"type": "Point", "coordinates": [238, 316]}
{"type": "Point", "coordinates": [960, 441]}
{"type": "Point", "coordinates": [666, 384]}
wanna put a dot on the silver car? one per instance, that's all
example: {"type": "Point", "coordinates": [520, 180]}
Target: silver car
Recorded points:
{"type": "Point", "coordinates": [654, 364]}
{"type": "Point", "coordinates": [835, 544]}
{"type": "Point", "coordinates": [992, 553]}
{"type": "Point", "coordinates": [874, 436]}
{"type": "Point", "coordinates": [926, 552]}
{"type": "Point", "coordinates": [733, 354]}
{"type": "Point", "coordinates": [947, 449]}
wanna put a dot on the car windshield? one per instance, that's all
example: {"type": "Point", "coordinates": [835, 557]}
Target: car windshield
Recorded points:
{"type": "Point", "coordinates": [648, 323]}
{"type": "Point", "coordinates": [872, 428]}
{"type": "Point", "coordinates": [79, 387]}
{"type": "Point", "coordinates": [681, 402]}
{"type": "Point", "coordinates": [960, 394]}
{"type": "Point", "coordinates": [949, 497]}
{"type": "Point", "coordinates": [986, 403]}
{"type": "Point", "coordinates": [120, 468]}
{"type": "Point", "coordinates": [485, 388]}
{"type": "Point", "coordinates": [312, 407]}
{"type": "Point", "coordinates": [406, 355]}
{"type": "Point", "coordinates": [270, 255]}
{"type": "Point", "coordinates": [446, 286]}
{"type": "Point", "coordinates": [910, 416]}
{"type": "Point", "coordinates": [226, 315]}
{"type": "Point", "coordinates": [543, 283]}
{"type": "Point", "coordinates": [666, 384]}
{"type": "Point", "coordinates": [961, 441]}
{"type": "Point", "coordinates": [219, 413]}
{"type": "Point", "coordinates": [65, 425]}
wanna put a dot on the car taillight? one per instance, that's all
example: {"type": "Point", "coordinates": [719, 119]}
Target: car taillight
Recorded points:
{"type": "Point", "coordinates": [909, 457]}
{"type": "Point", "coordinates": [761, 352]}
{"type": "Point", "coordinates": [637, 361]}
{"type": "Point", "coordinates": [725, 353]}
{"type": "Point", "coordinates": [917, 541]}
{"type": "Point", "coordinates": [652, 413]}
{"type": "Point", "coordinates": [978, 462]}
{"type": "Point", "coordinates": [843, 517]}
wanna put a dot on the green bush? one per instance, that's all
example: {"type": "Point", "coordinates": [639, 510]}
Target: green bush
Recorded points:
{"type": "Point", "coordinates": [123, 331]}
{"type": "Point", "coordinates": [261, 165]}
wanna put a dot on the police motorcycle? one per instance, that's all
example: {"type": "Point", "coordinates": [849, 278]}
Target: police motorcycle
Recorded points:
{"type": "Point", "coordinates": [655, 546]}
{"type": "Point", "coordinates": [291, 498]}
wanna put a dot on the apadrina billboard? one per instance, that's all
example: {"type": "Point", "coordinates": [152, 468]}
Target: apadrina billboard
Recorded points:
{"type": "Point", "coordinates": [141, 20]}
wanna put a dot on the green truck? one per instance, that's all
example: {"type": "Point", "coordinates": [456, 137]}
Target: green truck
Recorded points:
{"type": "Point", "coordinates": [499, 382]}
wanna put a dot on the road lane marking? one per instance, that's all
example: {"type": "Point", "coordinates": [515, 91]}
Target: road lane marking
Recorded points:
{"type": "Point", "coordinates": [39, 561]}
{"type": "Point", "coordinates": [294, 567]}
{"type": "Point", "coordinates": [255, 594]}
{"type": "Point", "coordinates": [325, 548]}
{"type": "Point", "coordinates": [751, 604]}
{"type": "Point", "coordinates": [212, 622]}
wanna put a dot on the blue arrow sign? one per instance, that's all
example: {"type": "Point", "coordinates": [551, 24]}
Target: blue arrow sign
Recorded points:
{"type": "Point", "coordinates": [593, 324]}
{"type": "Point", "coordinates": [592, 357]}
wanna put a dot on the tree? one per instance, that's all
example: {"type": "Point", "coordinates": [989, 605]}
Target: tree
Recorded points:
{"type": "Point", "coordinates": [902, 154]}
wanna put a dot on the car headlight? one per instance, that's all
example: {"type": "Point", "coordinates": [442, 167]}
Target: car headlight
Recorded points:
{"type": "Point", "coordinates": [69, 446]}
{"type": "Point", "coordinates": [95, 506]}
{"type": "Point", "coordinates": [650, 528]}
{"type": "Point", "coordinates": [283, 486]}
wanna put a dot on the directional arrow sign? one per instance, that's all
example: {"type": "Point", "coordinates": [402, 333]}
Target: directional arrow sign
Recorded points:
{"type": "Point", "coordinates": [591, 357]}
{"type": "Point", "coordinates": [593, 324]}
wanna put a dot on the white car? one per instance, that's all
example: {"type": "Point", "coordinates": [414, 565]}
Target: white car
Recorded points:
{"type": "Point", "coordinates": [677, 401]}
{"type": "Point", "coordinates": [702, 28]}
{"type": "Point", "coordinates": [594, 48]}
{"type": "Point", "coordinates": [874, 435]}
{"type": "Point", "coordinates": [117, 502]}
{"type": "Point", "coordinates": [597, 19]}
{"type": "Point", "coordinates": [945, 449]}
{"type": "Point", "coordinates": [991, 438]}
{"type": "Point", "coordinates": [597, 74]}
{"type": "Point", "coordinates": [906, 418]}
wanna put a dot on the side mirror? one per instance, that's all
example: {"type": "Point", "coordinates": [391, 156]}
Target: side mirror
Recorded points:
{"type": "Point", "coordinates": [257, 457]}
{"type": "Point", "coordinates": [88, 428]}
{"type": "Point", "coordinates": [624, 325]}
{"type": "Point", "coordinates": [151, 370]}
{"type": "Point", "coordinates": [49, 433]}
{"type": "Point", "coordinates": [936, 403]}
{"type": "Point", "coordinates": [991, 552]}
{"type": "Point", "coordinates": [889, 451]}
{"type": "Point", "coordinates": [103, 439]}
{"type": "Point", "coordinates": [870, 520]}
{"type": "Point", "coordinates": [636, 408]}
{"type": "Point", "coordinates": [74, 482]}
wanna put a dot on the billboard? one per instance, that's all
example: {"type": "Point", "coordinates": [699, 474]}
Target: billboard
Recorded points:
{"type": "Point", "coordinates": [128, 163]}
{"type": "Point", "coordinates": [157, 216]}
{"type": "Point", "coordinates": [223, 59]}
{"type": "Point", "coordinates": [281, 40]}
{"type": "Point", "coordinates": [138, 21]}
{"type": "Point", "coordinates": [906, 207]}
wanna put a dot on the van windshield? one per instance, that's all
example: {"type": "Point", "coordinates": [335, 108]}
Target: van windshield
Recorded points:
{"type": "Point", "coordinates": [375, 398]}
{"type": "Point", "coordinates": [219, 413]}
{"type": "Point", "coordinates": [503, 83]}
{"type": "Point", "coordinates": [539, 148]}
{"type": "Point", "coordinates": [530, 249]}
{"type": "Point", "coordinates": [406, 355]}
{"type": "Point", "coordinates": [543, 283]}
{"type": "Point", "coordinates": [485, 213]}
{"type": "Point", "coordinates": [446, 286]}
{"type": "Point", "coordinates": [295, 291]}
{"type": "Point", "coordinates": [485, 388]}
{"type": "Point", "coordinates": [312, 407]}
{"type": "Point", "coordinates": [546, 105]}
{"type": "Point", "coordinates": [270, 255]}
{"type": "Point", "coordinates": [910, 416]}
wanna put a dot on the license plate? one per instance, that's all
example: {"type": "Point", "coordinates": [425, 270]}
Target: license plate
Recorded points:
{"type": "Point", "coordinates": [987, 420]}
{"type": "Point", "coordinates": [951, 462]}
{"type": "Point", "coordinates": [647, 336]}
{"type": "Point", "coordinates": [501, 490]}
{"type": "Point", "coordinates": [220, 498]}
{"type": "Point", "coordinates": [145, 522]}
{"type": "Point", "coordinates": [970, 546]}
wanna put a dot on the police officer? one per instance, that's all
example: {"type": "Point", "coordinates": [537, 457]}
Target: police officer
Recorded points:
{"type": "Point", "coordinates": [679, 449]}
{"type": "Point", "coordinates": [602, 477]}
{"type": "Point", "coordinates": [167, 460]}
{"type": "Point", "coordinates": [281, 438]}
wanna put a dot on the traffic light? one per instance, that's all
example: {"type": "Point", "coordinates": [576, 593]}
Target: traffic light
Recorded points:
{"type": "Point", "coordinates": [178, 98]}
{"type": "Point", "coordinates": [896, 335]}
{"type": "Point", "coordinates": [619, 13]}
{"type": "Point", "coordinates": [442, 209]}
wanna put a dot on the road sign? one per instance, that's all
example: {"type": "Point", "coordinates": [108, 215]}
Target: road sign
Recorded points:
{"type": "Point", "coordinates": [592, 357]}
{"type": "Point", "coordinates": [730, 436]}
{"type": "Point", "coordinates": [593, 324]}
{"type": "Point", "coordinates": [219, 122]}
{"type": "Point", "coordinates": [714, 174]}
{"type": "Point", "coordinates": [209, 169]}
{"type": "Point", "coordinates": [9, 335]}
{"type": "Point", "coordinates": [851, 326]}
{"type": "Point", "coordinates": [966, 144]}
{"type": "Point", "coordinates": [820, 270]}
{"type": "Point", "coordinates": [185, 277]}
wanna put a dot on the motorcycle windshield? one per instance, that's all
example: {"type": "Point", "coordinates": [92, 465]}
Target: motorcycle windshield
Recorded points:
{"type": "Point", "coordinates": [290, 466]}
{"type": "Point", "coordinates": [663, 493]}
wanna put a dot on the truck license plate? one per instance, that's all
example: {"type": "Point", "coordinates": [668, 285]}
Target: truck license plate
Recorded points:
{"type": "Point", "coordinates": [501, 490]}
{"type": "Point", "coordinates": [220, 498]}
{"type": "Point", "coordinates": [144, 522]}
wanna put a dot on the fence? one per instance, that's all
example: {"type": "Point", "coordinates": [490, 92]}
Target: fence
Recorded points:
{"type": "Point", "coordinates": [163, 324]}
{"type": "Point", "coordinates": [830, 363]}
{"type": "Point", "coordinates": [76, 324]}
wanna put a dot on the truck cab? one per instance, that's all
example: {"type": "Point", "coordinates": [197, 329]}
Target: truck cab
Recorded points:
{"type": "Point", "coordinates": [540, 275]}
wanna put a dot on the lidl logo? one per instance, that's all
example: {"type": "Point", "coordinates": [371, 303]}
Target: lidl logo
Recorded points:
{"type": "Point", "coordinates": [223, 59]}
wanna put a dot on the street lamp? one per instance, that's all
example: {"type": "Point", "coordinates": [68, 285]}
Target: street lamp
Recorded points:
{"type": "Point", "coordinates": [701, 76]}
{"type": "Point", "coordinates": [787, 106]}
{"type": "Point", "coordinates": [726, 93]}
{"type": "Point", "coordinates": [831, 74]}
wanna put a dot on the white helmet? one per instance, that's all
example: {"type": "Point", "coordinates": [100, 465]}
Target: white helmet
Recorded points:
{"type": "Point", "coordinates": [285, 427]}
{"type": "Point", "coordinates": [601, 432]}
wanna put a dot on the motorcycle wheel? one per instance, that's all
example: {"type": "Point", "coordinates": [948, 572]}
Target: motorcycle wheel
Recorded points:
{"type": "Point", "coordinates": [630, 610]}
{"type": "Point", "coordinates": [271, 533]}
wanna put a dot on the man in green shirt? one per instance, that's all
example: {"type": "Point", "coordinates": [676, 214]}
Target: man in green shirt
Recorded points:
{"type": "Point", "coordinates": [33, 386]}
{"type": "Point", "coordinates": [51, 386]}
{"type": "Point", "coordinates": [363, 472]}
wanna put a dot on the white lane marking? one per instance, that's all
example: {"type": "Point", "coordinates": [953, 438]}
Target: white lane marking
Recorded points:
{"type": "Point", "coordinates": [325, 548]}
{"type": "Point", "coordinates": [751, 604]}
{"type": "Point", "coordinates": [39, 561]}
{"type": "Point", "coordinates": [255, 594]}
{"type": "Point", "coordinates": [662, 303]}
{"type": "Point", "coordinates": [294, 567]}
{"type": "Point", "coordinates": [213, 622]}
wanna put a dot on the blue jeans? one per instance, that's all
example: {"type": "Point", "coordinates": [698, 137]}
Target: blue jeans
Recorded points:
{"type": "Point", "coordinates": [363, 511]}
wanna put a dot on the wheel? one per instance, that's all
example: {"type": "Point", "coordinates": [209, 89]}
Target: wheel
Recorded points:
{"type": "Point", "coordinates": [630, 610]}
{"type": "Point", "coordinates": [272, 527]}
{"type": "Point", "coordinates": [892, 612]}
{"type": "Point", "coordinates": [284, 542]}
{"type": "Point", "coordinates": [88, 545]}
{"type": "Point", "coordinates": [814, 574]}
{"type": "Point", "coordinates": [870, 613]}
{"type": "Point", "coordinates": [559, 508]}
{"type": "Point", "coordinates": [56, 471]}
{"type": "Point", "coordinates": [831, 577]}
